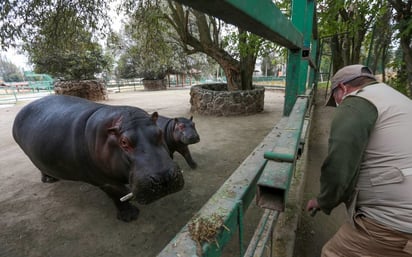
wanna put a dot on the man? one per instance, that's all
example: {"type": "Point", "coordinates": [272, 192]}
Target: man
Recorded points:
{"type": "Point", "coordinates": [368, 167]}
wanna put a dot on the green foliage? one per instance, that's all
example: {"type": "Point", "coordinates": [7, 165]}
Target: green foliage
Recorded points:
{"type": "Point", "coordinates": [241, 43]}
{"type": "Point", "coordinates": [270, 63]}
{"type": "Point", "coordinates": [151, 51]}
{"type": "Point", "coordinates": [399, 84]}
{"type": "Point", "coordinates": [9, 71]}
{"type": "Point", "coordinates": [348, 23]}
{"type": "Point", "coordinates": [71, 64]}
{"type": "Point", "coordinates": [20, 20]}
{"type": "Point", "coordinates": [400, 81]}
{"type": "Point", "coordinates": [68, 52]}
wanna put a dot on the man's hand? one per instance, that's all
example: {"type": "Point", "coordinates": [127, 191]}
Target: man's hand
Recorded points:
{"type": "Point", "coordinates": [312, 206]}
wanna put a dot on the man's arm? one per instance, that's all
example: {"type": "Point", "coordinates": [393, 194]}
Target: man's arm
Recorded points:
{"type": "Point", "coordinates": [351, 127]}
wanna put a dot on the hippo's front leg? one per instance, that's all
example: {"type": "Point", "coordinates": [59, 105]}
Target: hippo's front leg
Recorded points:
{"type": "Point", "coordinates": [48, 179]}
{"type": "Point", "coordinates": [125, 211]}
{"type": "Point", "coordinates": [188, 157]}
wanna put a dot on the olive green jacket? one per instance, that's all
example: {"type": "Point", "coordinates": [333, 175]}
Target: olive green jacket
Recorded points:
{"type": "Point", "coordinates": [353, 121]}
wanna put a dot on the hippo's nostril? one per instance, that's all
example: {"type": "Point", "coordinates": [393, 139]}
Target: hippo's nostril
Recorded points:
{"type": "Point", "coordinates": [155, 180]}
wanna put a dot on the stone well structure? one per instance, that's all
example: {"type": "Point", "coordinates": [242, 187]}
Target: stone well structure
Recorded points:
{"type": "Point", "coordinates": [90, 89]}
{"type": "Point", "coordinates": [215, 99]}
{"type": "Point", "coordinates": [154, 84]}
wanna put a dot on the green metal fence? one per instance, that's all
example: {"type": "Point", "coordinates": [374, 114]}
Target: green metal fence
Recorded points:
{"type": "Point", "coordinates": [260, 173]}
{"type": "Point", "coordinates": [267, 173]}
{"type": "Point", "coordinates": [14, 92]}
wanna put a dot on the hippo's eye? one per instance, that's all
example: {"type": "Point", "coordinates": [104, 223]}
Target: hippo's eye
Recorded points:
{"type": "Point", "coordinates": [125, 144]}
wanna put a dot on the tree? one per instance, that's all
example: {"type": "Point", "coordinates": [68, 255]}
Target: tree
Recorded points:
{"type": "Point", "coordinates": [199, 32]}
{"type": "Point", "coordinates": [403, 18]}
{"type": "Point", "coordinates": [351, 25]}
{"type": "Point", "coordinates": [57, 35]}
{"type": "Point", "coordinates": [271, 61]}
{"type": "Point", "coordinates": [398, 81]}
{"type": "Point", "coordinates": [267, 66]}
{"type": "Point", "coordinates": [68, 52]}
{"type": "Point", "coordinates": [149, 49]}
{"type": "Point", "coordinates": [20, 20]}
{"type": "Point", "coordinates": [380, 46]}
{"type": "Point", "coordinates": [9, 71]}
{"type": "Point", "coordinates": [347, 23]}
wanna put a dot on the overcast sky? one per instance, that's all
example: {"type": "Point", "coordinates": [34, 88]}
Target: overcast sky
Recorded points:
{"type": "Point", "coordinates": [17, 59]}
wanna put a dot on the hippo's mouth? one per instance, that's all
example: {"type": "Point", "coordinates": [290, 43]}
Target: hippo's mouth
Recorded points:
{"type": "Point", "coordinates": [190, 140]}
{"type": "Point", "coordinates": [153, 188]}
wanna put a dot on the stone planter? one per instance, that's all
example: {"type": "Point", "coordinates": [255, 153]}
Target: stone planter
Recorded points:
{"type": "Point", "coordinates": [215, 99]}
{"type": "Point", "coordinates": [90, 89]}
{"type": "Point", "coordinates": [156, 84]}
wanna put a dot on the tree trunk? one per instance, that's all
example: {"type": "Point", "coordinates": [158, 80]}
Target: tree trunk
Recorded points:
{"type": "Point", "coordinates": [357, 45]}
{"type": "Point", "coordinates": [404, 17]}
{"type": "Point", "coordinates": [247, 67]}
{"type": "Point", "coordinates": [336, 54]}
{"type": "Point", "coordinates": [384, 57]}
{"type": "Point", "coordinates": [202, 35]}
{"type": "Point", "coordinates": [407, 56]}
{"type": "Point", "coordinates": [233, 77]}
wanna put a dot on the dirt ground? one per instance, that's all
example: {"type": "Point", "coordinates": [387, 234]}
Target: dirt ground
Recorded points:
{"type": "Point", "coordinates": [76, 219]}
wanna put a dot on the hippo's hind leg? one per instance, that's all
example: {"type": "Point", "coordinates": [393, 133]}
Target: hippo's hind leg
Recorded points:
{"type": "Point", "coordinates": [48, 179]}
{"type": "Point", "coordinates": [125, 210]}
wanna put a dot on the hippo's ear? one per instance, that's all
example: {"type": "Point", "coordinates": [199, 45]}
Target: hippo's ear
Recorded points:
{"type": "Point", "coordinates": [154, 117]}
{"type": "Point", "coordinates": [114, 128]}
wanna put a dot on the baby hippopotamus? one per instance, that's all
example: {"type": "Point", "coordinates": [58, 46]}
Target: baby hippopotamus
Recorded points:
{"type": "Point", "coordinates": [178, 134]}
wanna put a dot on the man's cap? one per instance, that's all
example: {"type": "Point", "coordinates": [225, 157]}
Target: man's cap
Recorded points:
{"type": "Point", "coordinates": [345, 75]}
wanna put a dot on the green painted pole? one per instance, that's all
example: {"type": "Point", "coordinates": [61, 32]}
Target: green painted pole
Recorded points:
{"type": "Point", "coordinates": [313, 72]}
{"type": "Point", "coordinates": [293, 69]}
{"type": "Point", "coordinates": [309, 38]}
{"type": "Point", "coordinates": [292, 80]}
{"type": "Point", "coordinates": [304, 63]}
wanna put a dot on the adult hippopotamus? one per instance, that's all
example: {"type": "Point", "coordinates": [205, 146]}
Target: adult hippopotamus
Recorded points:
{"type": "Point", "coordinates": [178, 134]}
{"type": "Point", "coordinates": [119, 149]}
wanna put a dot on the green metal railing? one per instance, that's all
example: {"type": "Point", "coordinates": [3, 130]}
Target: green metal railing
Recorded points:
{"type": "Point", "coordinates": [37, 82]}
{"type": "Point", "coordinates": [259, 173]}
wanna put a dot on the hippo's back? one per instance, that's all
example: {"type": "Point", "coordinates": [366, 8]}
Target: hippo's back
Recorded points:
{"type": "Point", "coordinates": [51, 116]}
{"type": "Point", "coordinates": [51, 129]}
